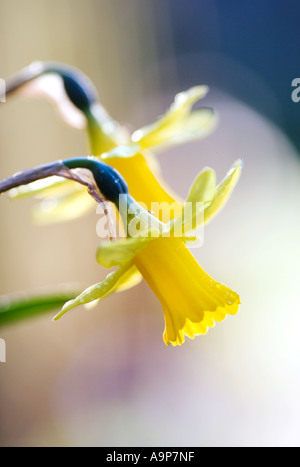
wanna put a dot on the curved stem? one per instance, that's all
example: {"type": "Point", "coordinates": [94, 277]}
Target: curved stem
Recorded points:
{"type": "Point", "coordinates": [107, 180]}
{"type": "Point", "coordinates": [81, 92]}
{"type": "Point", "coordinates": [78, 86]}
{"type": "Point", "coordinates": [28, 176]}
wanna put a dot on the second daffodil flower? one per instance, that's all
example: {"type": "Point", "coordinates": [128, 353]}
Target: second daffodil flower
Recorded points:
{"type": "Point", "coordinates": [192, 301]}
{"type": "Point", "coordinates": [78, 102]}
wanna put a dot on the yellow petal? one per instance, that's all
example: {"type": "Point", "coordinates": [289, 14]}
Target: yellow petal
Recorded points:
{"type": "Point", "coordinates": [200, 195]}
{"type": "Point", "coordinates": [122, 152]}
{"type": "Point", "coordinates": [130, 279]}
{"type": "Point", "coordinates": [115, 253]}
{"type": "Point", "coordinates": [65, 208]}
{"type": "Point", "coordinates": [192, 301]}
{"type": "Point", "coordinates": [97, 291]}
{"type": "Point", "coordinates": [199, 124]}
{"type": "Point", "coordinates": [204, 200]}
{"type": "Point", "coordinates": [204, 187]}
{"type": "Point", "coordinates": [178, 124]}
{"type": "Point", "coordinates": [192, 217]}
{"type": "Point", "coordinates": [224, 191]}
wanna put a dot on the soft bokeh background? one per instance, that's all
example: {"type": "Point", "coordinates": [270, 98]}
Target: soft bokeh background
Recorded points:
{"type": "Point", "coordinates": [104, 377]}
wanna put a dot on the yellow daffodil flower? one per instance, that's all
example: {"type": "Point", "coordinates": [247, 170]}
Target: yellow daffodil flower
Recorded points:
{"type": "Point", "coordinates": [192, 301]}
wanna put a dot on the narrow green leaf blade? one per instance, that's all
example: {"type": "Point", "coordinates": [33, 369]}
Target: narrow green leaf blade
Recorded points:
{"type": "Point", "coordinates": [14, 308]}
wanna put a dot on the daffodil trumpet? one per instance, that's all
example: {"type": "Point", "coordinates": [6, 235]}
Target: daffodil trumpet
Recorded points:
{"type": "Point", "coordinates": [78, 102]}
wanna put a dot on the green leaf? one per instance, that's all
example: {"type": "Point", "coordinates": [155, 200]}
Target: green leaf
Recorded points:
{"type": "Point", "coordinates": [15, 308]}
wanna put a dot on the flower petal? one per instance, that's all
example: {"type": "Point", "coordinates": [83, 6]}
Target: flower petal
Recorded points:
{"type": "Point", "coordinates": [178, 124]}
{"type": "Point", "coordinates": [204, 200]}
{"type": "Point", "coordinates": [199, 124]}
{"type": "Point", "coordinates": [191, 218]}
{"type": "Point", "coordinates": [130, 279]}
{"type": "Point", "coordinates": [110, 254]}
{"type": "Point", "coordinates": [204, 187]}
{"type": "Point", "coordinates": [200, 196]}
{"type": "Point", "coordinates": [66, 208]}
{"type": "Point", "coordinates": [224, 191]}
{"type": "Point", "coordinates": [178, 324]}
{"type": "Point", "coordinates": [97, 291]}
{"type": "Point", "coordinates": [191, 299]}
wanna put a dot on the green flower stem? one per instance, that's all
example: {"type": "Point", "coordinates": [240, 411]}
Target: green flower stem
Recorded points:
{"type": "Point", "coordinates": [16, 309]}
{"type": "Point", "coordinates": [99, 127]}
{"type": "Point", "coordinates": [135, 217]}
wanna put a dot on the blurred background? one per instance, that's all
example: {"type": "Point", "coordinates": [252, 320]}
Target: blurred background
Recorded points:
{"type": "Point", "coordinates": [105, 377]}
